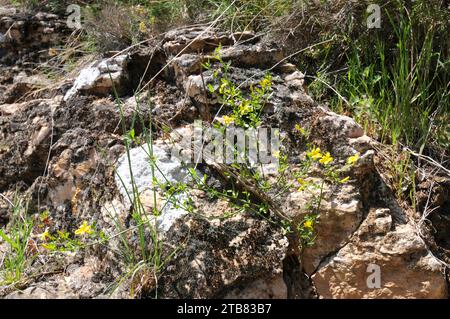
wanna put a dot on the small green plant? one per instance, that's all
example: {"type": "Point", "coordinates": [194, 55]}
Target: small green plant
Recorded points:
{"type": "Point", "coordinates": [246, 109]}
{"type": "Point", "coordinates": [305, 230]}
{"type": "Point", "coordinates": [20, 245]}
{"type": "Point", "coordinates": [63, 241]}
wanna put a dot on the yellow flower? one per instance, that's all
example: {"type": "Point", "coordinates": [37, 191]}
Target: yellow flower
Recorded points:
{"type": "Point", "coordinates": [314, 153]}
{"type": "Point", "coordinates": [152, 21]}
{"type": "Point", "coordinates": [308, 225]}
{"type": "Point", "coordinates": [326, 159]}
{"type": "Point", "coordinates": [84, 229]}
{"type": "Point", "coordinates": [277, 154]}
{"type": "Point", "coordinates": [265, 83]}
{"type": "Point", "coordinates": [227, 119]}
{"type": "Point", "coordinates": [140, 10]}
{"type": "Point", "coordinates": [245, 107]}
{"type": "Point", "coordinates": [353, 159]}
{"type": "Point", "coordinates": [302, 183]}
{"type": "Point", "coordinates": [52, 52]}
{"type": "Point", "coordinates": [344, 180]}
{"type": "Point", "coordinates": [45, 235]}
{"type": "Point", "coordinates": [142, 27]}
{"type": "Point", "coordinates": [300, 129]}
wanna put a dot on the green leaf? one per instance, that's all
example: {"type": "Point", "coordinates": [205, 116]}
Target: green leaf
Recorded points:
{"type": "Point", "coordinates": [131, 134]}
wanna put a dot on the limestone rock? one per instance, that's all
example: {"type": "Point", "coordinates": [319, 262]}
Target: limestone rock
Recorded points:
{"type": "Point", "coordinates": [101, 78]}
{"type": "Point", "coordinates": [197, 39]}
{"type": "Point", "coordinates": [341, 126]}
{"type": "Point", "coordinates": [256, 55]}
{"type": "Point", "coordinates": [34, 293]}
{"type": "Point", "coordinates": [339, 217]}
{"type": "Point", "coordinates": [264, 288]}
{"type": "Point", "coordinates": [26, 137]}
{"type": "Point", "coordinates": [78, 282]}
{"type": "Point", "coordinates": [407, 269]}
{"type": "Point", "coordinates": [167, 169]}
{"type": "Point", "coordinates": [220, 256]}
{"type": "Point", "coordinates": [18, 43]}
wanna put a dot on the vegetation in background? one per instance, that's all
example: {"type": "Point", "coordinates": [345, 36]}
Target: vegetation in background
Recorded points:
{"type": "Point", "coordinates": [395, 79]}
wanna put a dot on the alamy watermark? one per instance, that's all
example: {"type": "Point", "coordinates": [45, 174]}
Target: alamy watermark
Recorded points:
{"type": "Point", "coordinates": [374, 19]}
{"type": "Point", "coordinates": [228, 145]}
{"type": "Point", "coordinates": [374, 279]}
{"type": "Point", "coordinates": [74, 16]}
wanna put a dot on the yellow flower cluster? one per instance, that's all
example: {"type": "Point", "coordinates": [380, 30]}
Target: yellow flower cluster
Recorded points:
{"type": "Point", "coordinates": [143, 27]}
{"type": "Point", "coordinates": [227, 120]}
{"type": "Point", "coordinates": [300, 129]}
{"type": "Point", "coordinates": [265, 83]}
{"type": "Point", "coordinates": [245, 108]}
{"type": "Point", "coordinates": [316, 154]}
{"type": "Point", "coordinates": [140, 10]}
{"type": "Point", "coordinates": [353, 159]}
{"type": "Point", "coordinates": [303, 184]}
{"type": "Point", "coordinates": [326, 159]}
{"type": "Point", "coordinates": [84, 229]}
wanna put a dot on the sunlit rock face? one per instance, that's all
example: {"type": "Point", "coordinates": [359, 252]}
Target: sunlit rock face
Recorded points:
{"type": "Point", "coordinates": [101, 78]}
{"type": "Point", "coordinates": [382, 260]}
{"type": "Point", "coordinates": [165, 169]}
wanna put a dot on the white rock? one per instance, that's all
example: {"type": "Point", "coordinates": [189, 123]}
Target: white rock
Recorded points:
{"type": "Point", "coordinates": [98, 75]}
{"type": "Point", "coordinates": [168, 170]}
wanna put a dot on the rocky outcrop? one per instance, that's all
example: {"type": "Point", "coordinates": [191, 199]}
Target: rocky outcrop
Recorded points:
{"type": "Point", "coordinates": [225, 258]}
{"type": "Point", "coordinates": [340, 216]}
{"type": "Point", "coordinates": [66, 154]}
{"type": "Point", "coordinates": [395, 253]}
{"type": "Point", "coordinates": [101, 78]}
{"type": "Point", "coordinates": [23, 36]}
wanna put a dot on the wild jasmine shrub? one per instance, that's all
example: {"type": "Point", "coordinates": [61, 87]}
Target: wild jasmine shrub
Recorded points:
{"type": "Point", "coordinates": [28, 237]}
{"type": "Point", "coordinates": [244, 109]}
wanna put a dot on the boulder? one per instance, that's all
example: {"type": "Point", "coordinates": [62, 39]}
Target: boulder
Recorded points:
{"type": "Point", "coordinates": [166, 169]}
{"type": "Point", "coordinates": [405, 266]}
{"type": "Point", "coordinates": [237, 256]}
{"type": "Point", "coordinates": [340, 215]}
{"type": "Point", "coordinates": [101, 78]}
